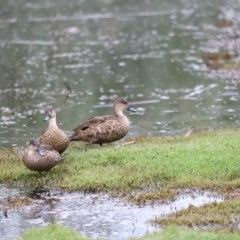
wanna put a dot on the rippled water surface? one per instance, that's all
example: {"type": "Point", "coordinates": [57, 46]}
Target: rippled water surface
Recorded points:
{"type": "Point", "coordinates": [148, 51]}
{"type": "Point", "coordinates": [94, 215]}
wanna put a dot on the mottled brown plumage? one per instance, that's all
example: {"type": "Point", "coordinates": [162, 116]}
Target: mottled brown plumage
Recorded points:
{"type": "Point", "coordinates": [104, 129]}
{"type": "Point", "coordinates": [40, 157]}
{"type": "Point", "coordinates": [53, 135]}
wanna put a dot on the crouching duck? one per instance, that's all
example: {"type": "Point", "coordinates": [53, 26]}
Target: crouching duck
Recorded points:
{"type": "Point", "coordinates": [105, 129]}
{"type": "Point", "coordinates": [40, 157]}
{"type": "Point", "coordinates": [53, 135]}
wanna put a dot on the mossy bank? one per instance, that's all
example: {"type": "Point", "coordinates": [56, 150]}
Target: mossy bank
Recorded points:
{"type": "Point", "coordinates": [205, 160]}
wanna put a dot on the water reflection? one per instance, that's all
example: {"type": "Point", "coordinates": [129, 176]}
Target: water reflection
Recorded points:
{"type": "Point", "coordinates": [94, 215]}
{"type": "Point", "coordinates": [143, 50]}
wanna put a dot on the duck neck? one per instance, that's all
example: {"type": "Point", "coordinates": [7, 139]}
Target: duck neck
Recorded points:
{"type": "Point", "coordinates": [30, 150]}
{"type": "Point", "coordinates": [53, 122]}
{"type": "Point", "coordinates": [118, 113]}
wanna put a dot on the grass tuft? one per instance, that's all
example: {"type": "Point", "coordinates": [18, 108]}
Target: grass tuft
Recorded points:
{"type": "Point", "coordinates": [173, 233]}
{"type": "Point", "coordinates": [213, 216]}
{"type": "Point", "coordinates": [52, 232]}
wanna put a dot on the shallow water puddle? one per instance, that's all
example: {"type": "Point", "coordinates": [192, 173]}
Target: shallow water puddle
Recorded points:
{"type": "Point", "coordinates": [93, 215]}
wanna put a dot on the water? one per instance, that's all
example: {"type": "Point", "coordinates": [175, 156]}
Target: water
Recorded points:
{"type": "Point", "coordinates": [93, 215]}
{"type": "Point", "coordinates": [148, 51]}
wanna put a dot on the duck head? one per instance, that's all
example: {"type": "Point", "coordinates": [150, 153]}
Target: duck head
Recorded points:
{"type": "Point", "coordinates": [121, 104]}
{"type": "Point", "coordinates": [49, 113]}
{"type": "Point", "coordinates": [35, 146]}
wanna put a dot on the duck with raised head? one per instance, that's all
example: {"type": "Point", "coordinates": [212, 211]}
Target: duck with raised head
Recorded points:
{"type": "Point", "coordinates": [53, 135]}
{"type": "Point", "coordinates": [40, 157]}
{"type": "Point", "coordinates": [105, 129]}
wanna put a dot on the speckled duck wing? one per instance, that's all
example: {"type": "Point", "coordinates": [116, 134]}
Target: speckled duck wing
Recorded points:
{"type": "Point", "coordinates": [50, 155]}
{"type": "Point", "coordinates": [93, 121]}
{"type": "Point", "coordinates": [47, 147]}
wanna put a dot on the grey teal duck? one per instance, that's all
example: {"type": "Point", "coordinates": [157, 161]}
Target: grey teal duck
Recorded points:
{"type": "Point", "coordinates": [53, 135]}
{"type": "Point", "coordinates": [105, 129]}
{"type": "Point", "coordinates": [40, 157]}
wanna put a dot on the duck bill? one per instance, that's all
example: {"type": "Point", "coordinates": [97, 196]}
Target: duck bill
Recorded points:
{"type": "Point", "coordinates": [39, 151]}
{"type": "Point", "coordinates": [131, 109]}
{"type": "Point", "coordinates": [46, 118]}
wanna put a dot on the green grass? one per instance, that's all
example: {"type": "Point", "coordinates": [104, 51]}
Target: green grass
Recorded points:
{"type": "Point", "coordinates": [55, 232]}
{"type": "Point", "coordinates": [52, 232]}
{"type": "Point", "coordinates": [204, 160]}
{"type": "Point", "coordinates": [173, 233]}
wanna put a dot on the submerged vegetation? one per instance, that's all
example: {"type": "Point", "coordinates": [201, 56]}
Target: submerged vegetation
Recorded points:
{"type": "Point", "coordinates": [219, 60]}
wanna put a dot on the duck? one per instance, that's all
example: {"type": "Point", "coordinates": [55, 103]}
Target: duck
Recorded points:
{"type": "Point", "coordinates": [53, 135]}
{"type": "Point", "coordinates": [106, 128]}
{"type": "Point", "coordinates": [40, 157]}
